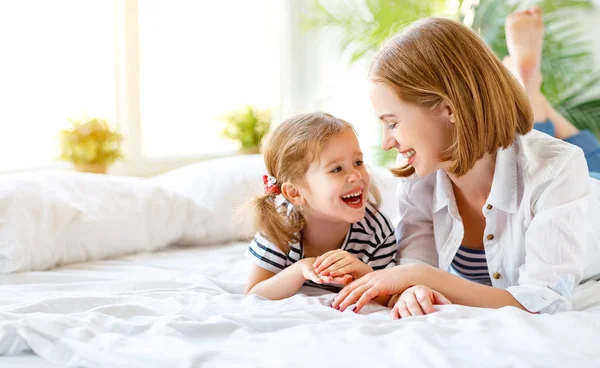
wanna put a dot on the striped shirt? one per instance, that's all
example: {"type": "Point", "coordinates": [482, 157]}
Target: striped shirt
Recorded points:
{"type": "Point", "coordinates": [471, 264]}
{"type": "Point", "coordinates": [371, 240]}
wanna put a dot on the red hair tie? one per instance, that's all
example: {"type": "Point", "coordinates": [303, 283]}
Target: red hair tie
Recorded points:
{"type": "Point", "coordinates": [270, 187]}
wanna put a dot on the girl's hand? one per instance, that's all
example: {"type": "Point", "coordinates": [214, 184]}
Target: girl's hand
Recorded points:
{"type": "Point", "coordinates": [390, 281]}
{"type": "Point", "coordinates": [308, 271]}
{"type": "Point", "coordinates": [339, 263]}
{"type": "Point", "coordinates": [415, 301]}
{"type": "Point", "coordinates": [343, 280]}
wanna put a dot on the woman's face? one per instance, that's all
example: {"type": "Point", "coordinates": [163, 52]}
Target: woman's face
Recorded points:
{"type": "Point", "coordinates": [419, 134]}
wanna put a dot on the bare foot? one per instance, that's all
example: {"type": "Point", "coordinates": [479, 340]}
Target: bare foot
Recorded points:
{"type": "Point", "coordinates": [524, 38]}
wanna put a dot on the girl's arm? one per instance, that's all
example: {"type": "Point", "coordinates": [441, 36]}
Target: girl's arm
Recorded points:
{"type": "Point", "coordinates": [283, 284]}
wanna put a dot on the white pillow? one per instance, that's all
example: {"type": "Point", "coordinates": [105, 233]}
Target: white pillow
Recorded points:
{"type": "Point", "coordinates": [223, 186]}
{"type": "Point", "coordinates": [57, 218]}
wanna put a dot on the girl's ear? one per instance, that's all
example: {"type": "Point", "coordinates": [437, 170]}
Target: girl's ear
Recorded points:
{"type": "Point", "coordinates": [291, 192]}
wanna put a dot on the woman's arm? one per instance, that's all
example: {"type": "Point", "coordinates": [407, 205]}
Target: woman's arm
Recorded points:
{"type": "Point", "coordinates": [397, 279]}
{"type": "Point", "coordinates": [461, 291]}
{"type": "Point", "coordinates": [283, 284]}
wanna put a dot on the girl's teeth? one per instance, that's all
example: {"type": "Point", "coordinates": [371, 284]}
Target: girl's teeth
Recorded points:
{"type": "Point", "coordinates": [352, 195]}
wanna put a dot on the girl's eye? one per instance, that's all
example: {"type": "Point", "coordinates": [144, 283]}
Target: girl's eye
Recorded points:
{"type": "Point", "coordinates": [358, 163]}
{"type": "Point", "coordinates": [337, 169]}
{"type": "Point", "coordinates": [392, 126]}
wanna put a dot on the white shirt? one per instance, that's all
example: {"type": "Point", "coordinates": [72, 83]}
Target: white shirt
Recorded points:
{"type": "Point", "coordinates": [542, 232]}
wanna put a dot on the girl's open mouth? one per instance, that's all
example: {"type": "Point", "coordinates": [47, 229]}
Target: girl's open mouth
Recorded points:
{"type": "Point", "coordinates": [353, 199]}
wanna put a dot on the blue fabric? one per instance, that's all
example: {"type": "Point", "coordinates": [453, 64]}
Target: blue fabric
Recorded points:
{"type": "Point", "coordinates": [595, 175]}
{"type": "Point", "coordinates": [545, 127]}
{"type": "Point", "coordinates": [590, 146]}
{"type": "Point", "coordinates": [584, 140]}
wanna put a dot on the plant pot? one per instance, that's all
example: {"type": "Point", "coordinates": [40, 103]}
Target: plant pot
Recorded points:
{"type": "Point", "coordinates": [91, 168]}
{"type": "Point", "coordinates": [249, 150]}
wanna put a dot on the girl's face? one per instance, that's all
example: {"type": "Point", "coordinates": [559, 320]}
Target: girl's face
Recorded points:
{"type": "Point", "coordinates": [419, 134]}
{"type": "Point", "coordinates": [336, 185]}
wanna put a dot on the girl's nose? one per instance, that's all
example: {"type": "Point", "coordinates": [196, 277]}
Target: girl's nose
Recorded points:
{"type": "Point", "coordinates": [354, 176]}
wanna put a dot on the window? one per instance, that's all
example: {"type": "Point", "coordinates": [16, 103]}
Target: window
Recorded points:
{"type": "Point", "coordinates": [165, 71]}
{"type": "Point", "coordinates": [199, 60]}
{"type": "Point", "coordinates": [57, 62]}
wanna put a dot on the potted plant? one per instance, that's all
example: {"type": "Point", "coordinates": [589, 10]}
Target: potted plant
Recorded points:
{"type": "Point", "coordinates": [248, 126]}
{"type": "Point", "coordinates": [91, 145]}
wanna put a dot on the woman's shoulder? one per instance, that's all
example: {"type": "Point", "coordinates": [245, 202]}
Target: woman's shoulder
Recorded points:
{"type": "Point", "coordinates": [542, 156]}
{"type": "Point", "coordinates": [548, 164]}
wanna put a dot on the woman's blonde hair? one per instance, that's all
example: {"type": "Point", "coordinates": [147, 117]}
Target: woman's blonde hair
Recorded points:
{"type": "Point", "coordinates": [436, 60]}
{"type": "Point", "coordinates": [288, 152]}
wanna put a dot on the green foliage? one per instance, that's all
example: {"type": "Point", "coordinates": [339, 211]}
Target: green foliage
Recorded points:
{"type": "Point", "coordinates": [364, 25]}
{"type": "Point", "coordinates": [247, 125]}
{"type": "Point", "coordinates": [91, 141]}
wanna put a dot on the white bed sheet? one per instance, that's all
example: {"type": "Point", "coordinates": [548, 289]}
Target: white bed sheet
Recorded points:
{"type": "Point", "coordinates": [183, 307]}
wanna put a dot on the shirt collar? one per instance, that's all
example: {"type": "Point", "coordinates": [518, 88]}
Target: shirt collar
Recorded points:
{"type": "Point", "coordinates": [503, 194]}
{"type": "Point", "coordinates": [504, 186]}
{"type": "Point", "coordinates": [443, 192]}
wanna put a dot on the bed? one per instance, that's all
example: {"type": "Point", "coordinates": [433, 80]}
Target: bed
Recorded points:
{"type": "Point", "coordinates": [184, 307]}
{"type": "Point", "coordinates": [139, 289]}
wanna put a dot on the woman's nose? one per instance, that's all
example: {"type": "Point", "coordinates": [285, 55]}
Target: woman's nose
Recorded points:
{"type": "Point", "coordinates": [388, 141]}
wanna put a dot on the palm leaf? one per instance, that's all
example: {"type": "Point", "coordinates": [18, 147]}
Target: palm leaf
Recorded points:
{"type": "Point", "coordinates": [363, 25]}
{"type": "Point", "coordinates": [585, 115]}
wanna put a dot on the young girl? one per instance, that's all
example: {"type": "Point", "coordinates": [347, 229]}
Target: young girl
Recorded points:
{"type": "Point", "coordinates": [315, 221]}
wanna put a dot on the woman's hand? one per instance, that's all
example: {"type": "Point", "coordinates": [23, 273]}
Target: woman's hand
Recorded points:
{"type": "Point", "coordinates": [339, 263]}
{"type": "Point", "coordinates": [390, 281]}
{"type": "Point", "coordinates": [415, 301]}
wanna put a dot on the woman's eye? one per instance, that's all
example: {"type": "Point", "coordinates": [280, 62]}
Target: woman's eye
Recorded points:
{"type": "Point", "coordinates": [392, 125]}
{"type": "Point", "coordinates": [358, 163]}
{"type": "Point", "coordinates": [337, 169]}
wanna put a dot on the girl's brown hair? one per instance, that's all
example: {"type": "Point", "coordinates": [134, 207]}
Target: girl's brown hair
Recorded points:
{"type": "Point", "coordinates": [436, 60]}
{"type": "Point", "coordinates": [288, 152]}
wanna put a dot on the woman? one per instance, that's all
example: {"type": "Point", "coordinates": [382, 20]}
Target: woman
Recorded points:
{"type": "Point", "coordinates": [503, 209]}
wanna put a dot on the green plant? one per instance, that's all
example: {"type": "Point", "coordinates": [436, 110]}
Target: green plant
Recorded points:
{"type": "Point", "coordinates": [91, 141]}
{"type": "Point", "coordinates": [248, 126]}
{"type": "Point", "coordinates": [567, 66]}
{"type": "Point", "coordinates": [364, 25]}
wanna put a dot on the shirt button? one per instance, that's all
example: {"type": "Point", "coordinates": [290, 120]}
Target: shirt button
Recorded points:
{"type": "Point", "coordinates": [497, 275]}
{"type": "Point", "coordinates": [489, 206]}
{"type": "Point", "coordinates": [490, 237]}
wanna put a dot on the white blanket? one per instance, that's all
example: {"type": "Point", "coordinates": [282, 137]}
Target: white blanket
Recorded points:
{"type": "Point", "coordinates": [183, 308]}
